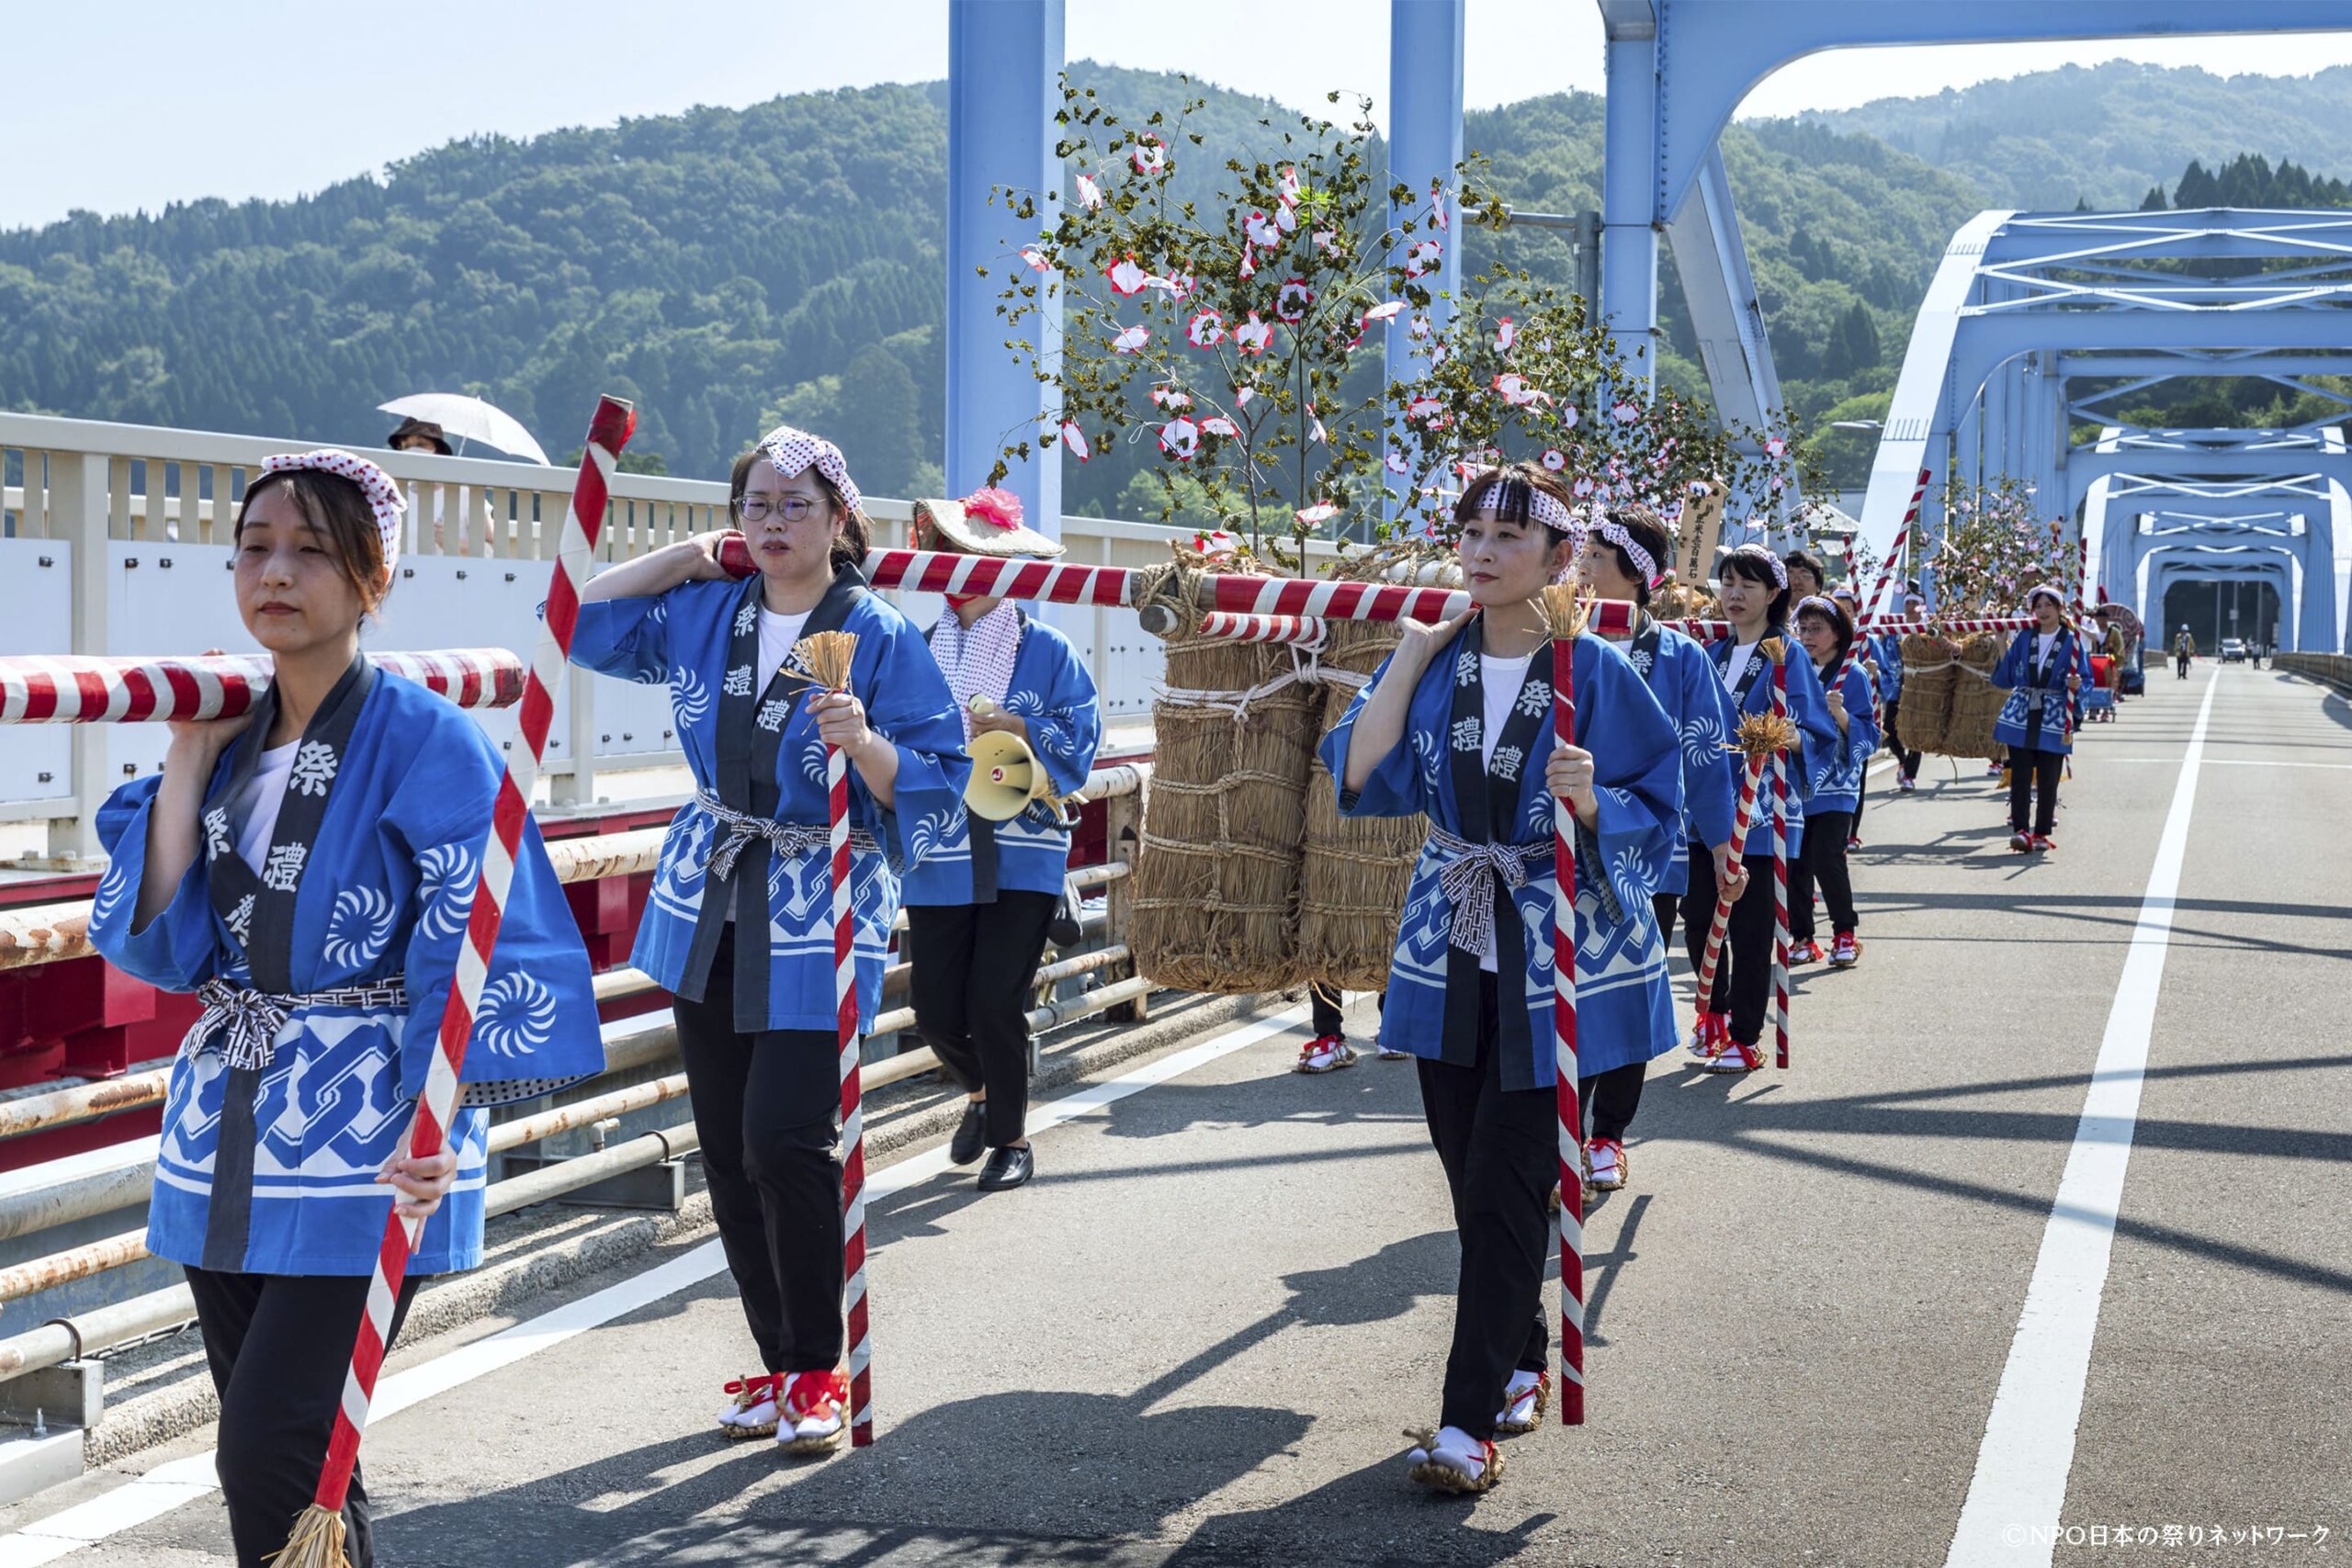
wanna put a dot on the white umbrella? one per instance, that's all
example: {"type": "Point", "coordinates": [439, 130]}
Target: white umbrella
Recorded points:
{"type": "Point", "coordinates": [470, 419]}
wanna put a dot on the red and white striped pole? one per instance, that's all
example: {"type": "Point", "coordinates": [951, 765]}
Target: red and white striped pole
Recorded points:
{"type": "Point", "coordinates": [1781, 872]}
{"type": "Point", "coordinates": [1709, 1023]}
{"type": "Point", "coordinates": [1565, 1089]}
{"type": "Point", "coordinates": [1871, 613]}
{"type": "Point", "coordinates": [317, 1539]}
{"type": "Point", "coordinates": [860, 1336]}
{"type": "Point", "coordinates": [79, 689]}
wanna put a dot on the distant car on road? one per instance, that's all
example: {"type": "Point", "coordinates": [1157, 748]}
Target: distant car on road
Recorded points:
{"type": "Point", "coordinates": [2233, 650]}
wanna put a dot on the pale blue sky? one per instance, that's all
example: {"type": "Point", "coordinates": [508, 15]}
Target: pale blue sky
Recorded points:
{"type": "Point", "coordinates": [136, 103]}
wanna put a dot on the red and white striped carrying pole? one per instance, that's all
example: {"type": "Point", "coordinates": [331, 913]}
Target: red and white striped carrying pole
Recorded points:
{"type": "Point", "coordinates": [39, 689]}
{"type": "Point", "coordinates": [1565, 1094]}
{"type": "Point", "coordinates": [1708, 1022]}
{"type": "Point", "coordinates": [1295, 631]}
{"type": "Point", "coordinates": [318, 1535]}
{"type": "Point", "coordinates": [1872, 615]}
{"type": "Point", "coordinates": [861, 1335]}
{"type": "Point", "coordinates": [1781, 872]}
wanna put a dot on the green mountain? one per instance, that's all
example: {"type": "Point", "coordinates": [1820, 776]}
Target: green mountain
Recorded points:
{"type": "Point", "coordinates": [2104, 134]}
{"type": "Point", "coordinates": [727, 267]}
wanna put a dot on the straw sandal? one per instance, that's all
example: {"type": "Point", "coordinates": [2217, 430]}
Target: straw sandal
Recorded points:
{"type": "Point", "coordinates": [1438, 1476]}
{"type": "Point", "coordinates": [811, 1400]}
{"type": "Point", "coordinates": [753, 1411]}
{"type": "Point", "coordinates": [1526, 1413]}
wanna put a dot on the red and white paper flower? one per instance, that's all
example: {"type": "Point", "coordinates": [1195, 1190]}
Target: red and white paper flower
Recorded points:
{"type": "Point", "coordinates": [1131, 340]}
{"type": "Point", "coordinates": [1583, 488]}
{"type": "Point", "coordinates": [1036, 259]}
{"type": "Point", "coordinates": [1206, 330]}
{"type": "Point", "coordinates": [1088, 192]}
{"type": "Point", "coordinates": [1423, 258]}
{"type": "Point", "coordinates": [1555, 459]}
{"type": "Point", "coordinates": [1179, 438]}
{"type": "Point", "coordinates": [1423, 407]}
{"type": "Point", "coordinates": [1287, 187]}
{"type": "Point", "coordinates": [1218, 424]}
{"type": "Point", "coordinates": [1568, 416]}
{"type": "Point", "coordinates": [1261, 229]}
{"type": "Point", "coordinates": [1253, 336]}
{"type": "Point", "coordinates": [1315, 515]}
{"type": "Point", "coordinates": [1293, 300]}
{"type": "Point", "coordinates": [1074, 441]}
{"type": "Point", "coordinates": [1150, 155]}
{"type": "Point", "coordinates": [1505, 335]}
{"type": "Point", "coordinates": [1383, 311]}
{"type": "Point", "coordinates": [1169, 397]}
{"type": "Point", "coordinates": [1127, 275]}
{"type": "Point", "coordinates": [1625, 412]}
{"type": "Point", "coordinates": [1218, 544]}
{"type": "Point", "coordinates": [1514, 389]}
{"type": "Point", "coordinates": [1242, 396]}
{"type": "Point", "coordinates": [1395, 462]}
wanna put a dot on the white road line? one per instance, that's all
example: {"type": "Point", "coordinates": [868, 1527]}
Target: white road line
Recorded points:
{"type": "Point", "coordinates": [168, 1486]}
{"type": "Point", "coordinates": [2018, 1492]}
{"type": "Point", "coordinates": [2236, 763]}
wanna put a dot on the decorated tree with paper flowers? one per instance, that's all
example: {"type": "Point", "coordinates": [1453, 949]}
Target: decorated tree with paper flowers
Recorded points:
{"type": "Point", "coordinates": [1993, 546]}
{"type": "Point", "coordinates": [1518, 371]}
{"type": "Point", "coordinates": [1236, 337]}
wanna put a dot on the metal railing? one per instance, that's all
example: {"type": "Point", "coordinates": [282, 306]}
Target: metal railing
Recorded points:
{"type": "Point", "coordinates": [57, 933]}
{"type": "Point", "coordinates": [2336, 669]}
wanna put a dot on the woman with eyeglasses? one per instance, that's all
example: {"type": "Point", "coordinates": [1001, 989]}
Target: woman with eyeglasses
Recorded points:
{"type": "Point", "coordinates": [739, 923]}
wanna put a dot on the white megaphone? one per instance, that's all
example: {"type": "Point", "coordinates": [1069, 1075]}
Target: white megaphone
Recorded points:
{"type": "Point", "coordinates": [1007, 778]}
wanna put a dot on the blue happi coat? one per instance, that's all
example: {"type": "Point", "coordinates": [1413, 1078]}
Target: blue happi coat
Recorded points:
{"type": "Point", "coordinates": [2040, 713]}
{"type": "Point", "coordinates": [1816, 733]}
{"type": "Point", "coordinates": [1687, 686]}
{"type": "Point", "coordinates": [1053, 695]}
{"type": "Point", "coordinates": [1836, 768]}
{"type": "Point", "coordinates": [759, 754]}
{"type": "Point", "coordinates": [1625, 1006]}
{"type": "Point", "coordinates": [270, 1167]}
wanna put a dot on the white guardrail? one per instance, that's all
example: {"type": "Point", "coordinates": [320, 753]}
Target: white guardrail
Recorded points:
{"type": "Point", "coordinates": [114, 539]}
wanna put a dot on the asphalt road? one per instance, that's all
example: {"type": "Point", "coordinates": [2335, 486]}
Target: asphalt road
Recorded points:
{"type": "Point", "coordinates": [1197, 1338]}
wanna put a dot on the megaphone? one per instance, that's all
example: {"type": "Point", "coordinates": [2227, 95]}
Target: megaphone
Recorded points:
{"type": "Point", "coordinates": [1007, 778]}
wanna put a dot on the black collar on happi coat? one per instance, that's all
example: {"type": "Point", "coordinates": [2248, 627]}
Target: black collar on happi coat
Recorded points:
{"type": "Point", "coordinates": [258, 909]}
{"type": "Point", "coordinates": [983, 832]}
{"type": "Point", "coordinates": [750, 734]}
{"type": "Point", "coordinates": [1758, 663]}
{"type": "Point", "coordinates": [1487, 796]}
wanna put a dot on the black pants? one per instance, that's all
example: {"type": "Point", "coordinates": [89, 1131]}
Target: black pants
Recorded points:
{"type": "Point", "coordinates": [1324, 1002]}
{"type": "Point", "coordinates": [1821, 859]}
{"type": "Point", "coordinates": [1666, 905]}
{"type": "Point", "coordinates": [2034, 785]}
{"type": "Point", "coordinates": [974, 966]}
{"type": "Point", "coordinates": [1905, 761]}
{"type": "Point", "coordinates": [279, 1347]}
{"type": "Point", "coordinates": [2180, 666]}
{"type": "Point", "coordinates": [1501, 1152]}
{"type": "Point", "coordinates": [766, 1107]}
{"type": "Point", "coordinates": [1744, 973]}
{"type": "Point", "coordinates": [1610, 1099]}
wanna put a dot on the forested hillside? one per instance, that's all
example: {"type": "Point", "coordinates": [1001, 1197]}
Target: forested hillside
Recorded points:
{"type": "Point", "coordinates": [728, 267]}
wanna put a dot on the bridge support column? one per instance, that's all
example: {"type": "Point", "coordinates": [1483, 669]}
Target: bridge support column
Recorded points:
{"type": "Point", "coordinates": [1004, 60]}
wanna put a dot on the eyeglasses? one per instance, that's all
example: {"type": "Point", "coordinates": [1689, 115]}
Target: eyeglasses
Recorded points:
{"type": "Point", "coordinates": [757, 508]}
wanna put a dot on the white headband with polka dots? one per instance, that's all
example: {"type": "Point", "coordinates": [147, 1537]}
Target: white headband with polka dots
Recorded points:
{"type": "Point", "coordinates": [790, 451]}
{"type": "Point", "coordinates": [383, 495]}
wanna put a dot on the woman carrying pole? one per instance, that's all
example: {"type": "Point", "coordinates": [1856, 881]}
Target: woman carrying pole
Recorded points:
{"type": "Point", "coordinates": [1754, 587]}
{"type": "Point", "coordinates": [1836, 775]}
{"type": "Point", "coordinates": [1457, 725]}
{"type": "Point", "coordinates": [739, 923]}
{"type": "Point", "coordinates": [307, 869]}
{"type": "Point", "coordinates": [2037, 724]}
{"type": "Point", "coordinates": [1621, 558]}
{"type": "Point", "coordinates": [979, 905]}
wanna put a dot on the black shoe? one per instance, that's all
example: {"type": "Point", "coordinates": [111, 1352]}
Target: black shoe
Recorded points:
{"type": "Point", "coordinates": [971, 1133]}
{"type": "Point", "coordinates": [1007, 1167]}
